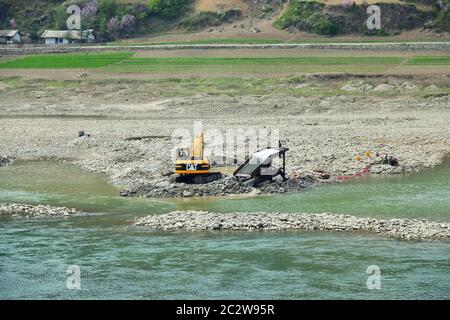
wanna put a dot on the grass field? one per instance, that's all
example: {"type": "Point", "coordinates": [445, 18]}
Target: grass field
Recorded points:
{"type": "Point", "coordinates": [252, 64]}
{"type": "Point", "coordinates": [67, 61]}
{"type": "Point", "coordinates": [127, 62]}
{"type": "Point", "coordinates": [429, 60]}
{"type": "Point", "coordinates": [261, 61]}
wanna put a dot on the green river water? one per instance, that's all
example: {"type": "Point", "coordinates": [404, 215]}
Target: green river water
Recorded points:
{"type": "Point", "coordinates": [120, 261]}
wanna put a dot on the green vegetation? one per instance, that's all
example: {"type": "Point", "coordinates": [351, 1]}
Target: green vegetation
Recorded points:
{"type": "Point", "coordinates": [55, 61]}
{"type": "Point", "coordinates": [126, 62]}
{"type": "Point", "coordinates": [114, 19]}
{"type": "Point", "coordinates": [261, 61]}
{"type": "Point", "coordinates": [130, 17]}
{"type": "Point", "coordinates": [307, 16]}
{"type": "Point", "coordinates": [430, 60]}
{"type": "Point", "coordinates": [442, 21]}
{"type": "Point", "coordinates": [316, 17]}
{"type": "Point", "coordinates": [169, 8]}
{"type": "Point", "coordinates": [256, 65]}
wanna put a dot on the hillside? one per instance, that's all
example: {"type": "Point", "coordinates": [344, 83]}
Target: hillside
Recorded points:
{"type": "Point", "coordinates": [274, 19]}
{"type": "Point", "coordinates": [215, 5]}
{"type": "Point", "coordinates": [318, 17]}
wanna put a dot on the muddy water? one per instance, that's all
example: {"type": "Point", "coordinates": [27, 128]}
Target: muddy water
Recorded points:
{"type": "Point", "coordinates": [121, 261]}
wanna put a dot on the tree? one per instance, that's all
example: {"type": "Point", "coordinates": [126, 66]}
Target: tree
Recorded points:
{"type": "Point", "coordinates": [60, 16]}
{"type": "Point", "coordinates": [88, 18]}
{"type": "Point", "coordinates": [114, 26]}
{"type": "Point", "coordinates": [34, 33]}
{"type": "Point", "coordinates": [90, 10]}
{"type": "Point", "coordinates": [108, 8]}
{"type": "Point", "coordinates": [128, 24]}
{"type": "Point", "coordinates": [4, 11]}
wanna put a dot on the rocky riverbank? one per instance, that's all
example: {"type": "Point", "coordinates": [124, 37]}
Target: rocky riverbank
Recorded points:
{"type": "Point", "coordinates": [30, 211]}
{"type": "Point", "coordinates": [195, 221]}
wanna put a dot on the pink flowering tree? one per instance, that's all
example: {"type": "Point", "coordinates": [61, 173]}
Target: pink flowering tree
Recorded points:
{"type": "Point", "coordinates": [114, 26]}
{"type": "Point", "coordinates": [128, 24]}
{"type": "Point", "coordinates": [90, 10]}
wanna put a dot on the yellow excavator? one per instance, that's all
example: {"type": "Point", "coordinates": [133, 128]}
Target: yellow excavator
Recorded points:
{"type": "Point", "coordinates": [191, 165]}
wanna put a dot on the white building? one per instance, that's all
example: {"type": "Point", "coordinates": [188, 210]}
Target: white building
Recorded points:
{"type": "Point", "coordinates": [10, 36]}
{"type": "Point", "coordinates": [58, 37]}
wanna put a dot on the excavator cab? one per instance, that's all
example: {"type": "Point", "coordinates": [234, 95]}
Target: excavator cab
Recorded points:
{"type": "Point", "coordinates": [183, 154]}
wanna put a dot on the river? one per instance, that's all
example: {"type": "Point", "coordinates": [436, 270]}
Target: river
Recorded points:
{"type": "Point", "coordinates": [120, 261]}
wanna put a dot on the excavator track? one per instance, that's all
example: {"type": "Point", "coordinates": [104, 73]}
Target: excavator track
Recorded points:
{"type": "Point", "coordinates": [199, 178]}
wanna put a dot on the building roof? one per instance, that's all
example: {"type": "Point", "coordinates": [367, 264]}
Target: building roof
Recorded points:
{"type": "Point", "coordinates": [8, 33]}
{"type": "Point", "coordinates": [72, 34]}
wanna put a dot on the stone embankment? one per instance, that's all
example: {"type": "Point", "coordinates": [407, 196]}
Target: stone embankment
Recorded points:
{"type": "Point", "coordinates": [408, 46]}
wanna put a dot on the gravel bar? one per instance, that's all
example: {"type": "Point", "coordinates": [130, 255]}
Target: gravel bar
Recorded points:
{"type": "Point", "coordinates": [35, 210]}
{"type": "Point", "coordinates": [197, 221]}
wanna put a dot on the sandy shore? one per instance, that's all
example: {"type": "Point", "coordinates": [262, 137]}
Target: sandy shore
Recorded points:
{"type": "Point", "coordinates": [195, 221]}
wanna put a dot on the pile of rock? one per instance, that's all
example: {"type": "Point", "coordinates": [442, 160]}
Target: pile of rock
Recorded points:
{"type": "Point", "coordinates": [166, 188]}
{"type": "Point", "coordinates": [203, 221]}
{"type": "Point", "coordinates": [35, 211]}
{"type": "Point", "coordinates": [5, 160]}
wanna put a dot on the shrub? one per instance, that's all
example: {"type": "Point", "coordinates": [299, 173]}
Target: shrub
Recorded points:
{"type": "Point", "coordinates": [442, 21]}
{"type": "Point", "coordinates": [307, 16]}
{"type": "Point", "coordinates": [168, 8]}
{"type": "Point", "coordinates": [108, 8]}
{"type": "Point", "coordinates": [298, 12]}
{"type": "Point", "coordinates": [326, 27]}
